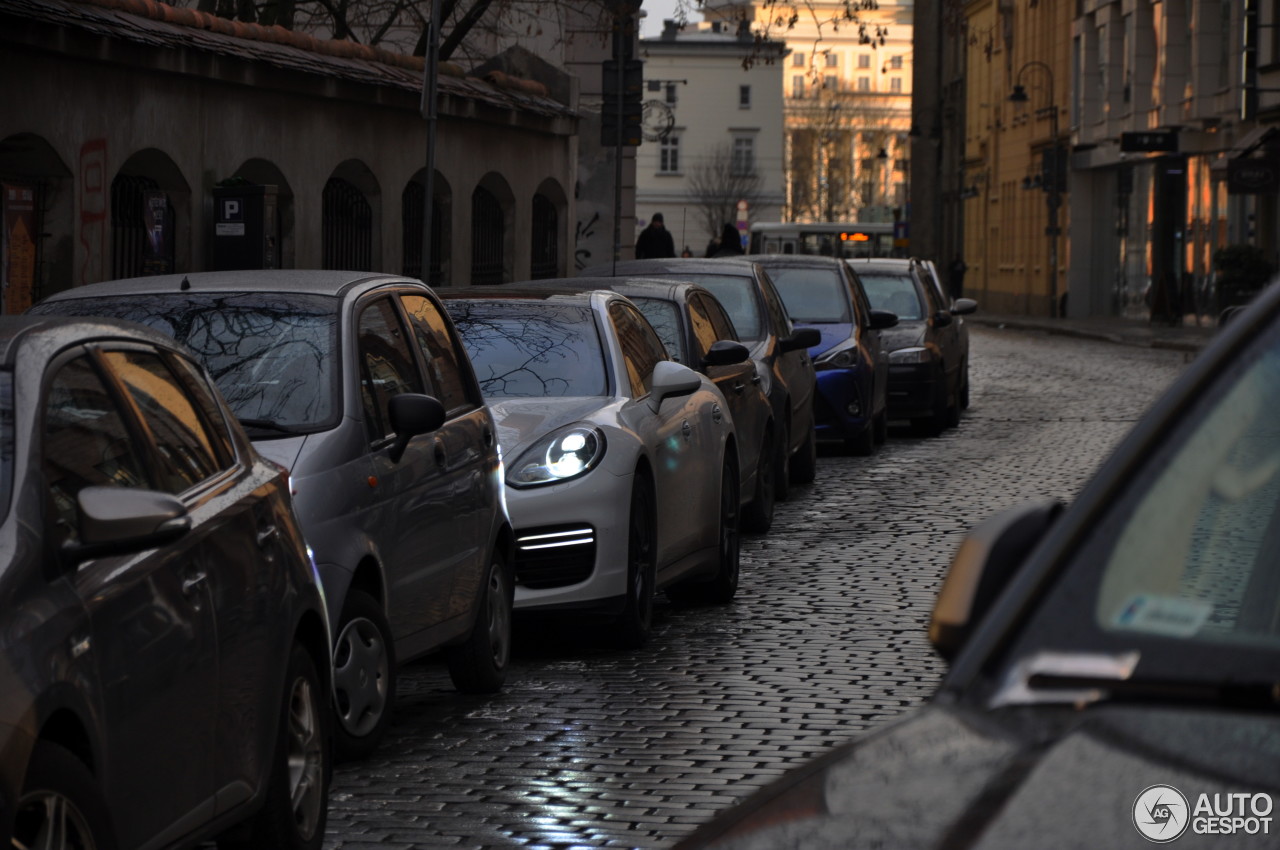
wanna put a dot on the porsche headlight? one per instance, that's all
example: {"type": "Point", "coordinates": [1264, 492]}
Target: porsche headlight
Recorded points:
{"type": "Point", "coordinates": [560, 456]}
{"type": "Point", "coordinates": [914, 354]}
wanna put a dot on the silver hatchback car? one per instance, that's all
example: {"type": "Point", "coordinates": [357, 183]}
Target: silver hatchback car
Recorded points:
{"type": "Point", "coordinates": [358, 385]}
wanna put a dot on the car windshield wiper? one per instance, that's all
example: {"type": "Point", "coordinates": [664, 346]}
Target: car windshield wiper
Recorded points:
{"type": "Point", "coordinates": [268, 425]}
{"type": "Point", "coordinates": [1244, 694]}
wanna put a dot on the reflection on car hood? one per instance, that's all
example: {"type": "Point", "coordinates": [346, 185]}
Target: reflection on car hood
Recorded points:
{"type": "Point", "coordinates": [903, 335]}
{"type": "Point", "coordinates": [1017, 778]}
{"type": "Point", "coordinates": [284, 450]}
{"type": "Point", "coordinates": [521, 421]}
{"type": "Point", "coordinates": [833, 333]}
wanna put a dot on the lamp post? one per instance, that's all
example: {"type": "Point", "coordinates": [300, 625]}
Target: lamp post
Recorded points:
{"type": "Point", "coordinates": [1052, 172]}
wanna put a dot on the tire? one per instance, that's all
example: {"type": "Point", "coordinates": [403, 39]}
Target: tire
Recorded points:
{"type": "Point", "coordinates": [634, 625]}
{"type": "Point", "coordinates": [479, 666]}
{"type": "Point", "coordinates": [863, 443]}
{"type": "Point", "coordinates": [804, 466]}
{"type": "Point", "coordinates": [935, 423]}
{"type": "Point", "coordinates": [880, 428]}
{"type": "Point", "coordinates": [723, 586]}
{"type": "Point", "coordinates": [364, 678]}
{"type": "Point", "coordinates": [964, 386]}
{"type": "Point", "coordinates": [782, 466]}
{"type": "Point", "coordinates": [60, 788]}
{"type": "Point", "coordinates": [757, 516]}
{"type": "Point", "coordinates": [293, 816]}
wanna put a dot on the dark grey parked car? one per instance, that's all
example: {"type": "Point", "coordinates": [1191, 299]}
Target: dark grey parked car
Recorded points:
{"type": "Point", "coordinates": [1115, 663]}
{"type": "Point", "coordinates": [357, 384]}
{"type": "Point", "coordinates": [781, 352]}
{"type": "Point", "coordinates": [164, 650]}
{"type": "Point", "coordinates": [929, 349]}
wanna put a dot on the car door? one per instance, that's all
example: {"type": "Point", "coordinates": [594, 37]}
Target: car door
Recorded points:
{"type": "Point", "coordinates": [869, 338]}
{"type": "Point", "coordinates": [412, 513]}
{"type": "Point", "coordinates": [738, 382]}
{"type": "Point", "coordinates": [795, 367]}
{"type": "Point", "coordinates": [680, 445]}
{"type": "Point", "coordinates": [151, 633]}
{"type": "Point", "coordinates": [945, 332]}
{"type": "Point", "coordinates": [465, 441]}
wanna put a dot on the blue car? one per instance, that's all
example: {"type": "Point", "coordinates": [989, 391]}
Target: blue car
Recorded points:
{"type": "Point", "coordinates": [851, 363]}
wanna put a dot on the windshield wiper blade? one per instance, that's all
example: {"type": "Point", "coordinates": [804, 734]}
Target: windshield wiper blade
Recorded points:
{"type": "Point", "coordinates": [268, 425]}
{"type": "Point", "coordinates": [1244, 694]}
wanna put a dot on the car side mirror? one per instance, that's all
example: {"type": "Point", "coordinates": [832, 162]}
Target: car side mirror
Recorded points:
{"type": "Point", "coordinates": [125, 520]}
{"type": "Point", "coordinates": [671, 380]}
{"type": "Point", "coordinates": [941, 319]}
{"type": "Point", "coordinates": [963, 307]}
{"type": "Point", "coordinates": [987, 558]}
{"type": "Point", "coordinates": [726, 352]}
{"type": "Point", "coordinates": [878, 320]}
{"type": "Point", "coordinates": [412, 414]}
{"type": "Point", "coordinates": [801, 339]}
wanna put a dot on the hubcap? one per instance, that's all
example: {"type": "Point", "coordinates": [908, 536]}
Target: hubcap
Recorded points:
{"type": "Point", "coordinates": [361, 676]}
{"type": "Point", "coordinates": [306, 758]}
{"type": "Point", "coordinates": [49, 821]}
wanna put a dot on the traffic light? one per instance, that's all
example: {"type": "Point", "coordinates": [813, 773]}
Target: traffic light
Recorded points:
{"type": "Point", "coordinates": [622, 82]}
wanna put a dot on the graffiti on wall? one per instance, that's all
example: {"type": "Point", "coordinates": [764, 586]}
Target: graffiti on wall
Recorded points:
{"type": "Point", "coordinates": [94, 197]}
{"type": "Point", "coordinates": [586, 230]}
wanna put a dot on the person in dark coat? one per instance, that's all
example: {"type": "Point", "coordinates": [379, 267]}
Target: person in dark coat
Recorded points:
{"type": "Point", "coordinates": [655, 241]}
{"type": "Point", "coordinates": [730, 242]}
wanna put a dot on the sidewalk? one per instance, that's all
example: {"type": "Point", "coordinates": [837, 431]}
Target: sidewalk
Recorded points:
{"type": "Point", "coordinates": [1108, 328]}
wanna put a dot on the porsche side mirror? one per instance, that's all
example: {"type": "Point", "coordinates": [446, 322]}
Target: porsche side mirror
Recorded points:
{"type": "Point", "coordinates": [987, 558]}
{"type": "Point", "coordinates": [670, 380]}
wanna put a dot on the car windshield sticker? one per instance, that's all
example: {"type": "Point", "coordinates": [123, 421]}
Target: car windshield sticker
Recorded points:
{"type": "Point", "coordinates": [1168, 616]}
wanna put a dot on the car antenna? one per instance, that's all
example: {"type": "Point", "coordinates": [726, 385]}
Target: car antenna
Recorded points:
{"type": "Point", "coordinates": [185, 285]}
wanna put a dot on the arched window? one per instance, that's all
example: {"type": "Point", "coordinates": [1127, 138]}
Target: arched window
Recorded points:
{"type": "Point", "coordinates": [142, 220]}
{"type": "Point", "coordinates": [347, 227]}
{"type": "Point", "coordinates": [545, 256]}
{"type": "Point", "coordinates": [487, 238]}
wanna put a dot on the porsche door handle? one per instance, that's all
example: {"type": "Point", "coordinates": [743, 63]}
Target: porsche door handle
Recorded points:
{"type": "Point", "coordinates": [686, 429]}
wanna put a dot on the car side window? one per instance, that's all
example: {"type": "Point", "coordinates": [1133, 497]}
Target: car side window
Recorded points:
{"type": "Point", "coordinates": [861, 306]}
{"type": "Point", "coordinates": [446, 378]}
{"type": "Point", "coordinates": [932, 297]}
{"type": "Point", "coordinates": [641, 348]}
{"type": "Point", "coordinates": [386, 364]}
{"type": "Point", "coordinates": [720, 320]}
{"type": "Point", "coordinates": [704, 330]}
{"type": "Point", "coordinates": [204, 396]}
{"type": "Point", "coordinates": [86, 444]}
{"type": "Point", "coordinates": [185, 445]}
{"type": "Point", "coordinates": [777, 312]}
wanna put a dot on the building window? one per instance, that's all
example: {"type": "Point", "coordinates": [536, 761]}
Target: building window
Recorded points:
{"type": "Point", "coordinates": [832, 60]}
{"type": "Point", "coordinates": [864, 84]}
{"type": "Point", "coordinates": [896, 63]}
{"type": "Point", "coordinates": [671, 94]}
{"type": "Point", "coordinates": [744, 97]}
{"type": "Point", "coordinates": [895, 84]}
{"type": "Point", "coordinates": [744, 156]}
{"type": "Point", "coordinates": [797, 59]}
{"type": "Point", "coordinates": [669, 155]}
{"type": "Point", "coordinates": [864, 61]}
{"type": "Point", "coordinates": [831, 82]}
{"type": "Point", "coordinates": [797, 86]}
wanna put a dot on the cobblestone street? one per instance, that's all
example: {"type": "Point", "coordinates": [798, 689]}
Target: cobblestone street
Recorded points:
{"type": "Point", "coordinates": [592, 747]}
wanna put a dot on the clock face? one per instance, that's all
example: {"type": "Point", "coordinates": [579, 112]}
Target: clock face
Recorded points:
{"type": "Point", "coordinates": [658, 120]}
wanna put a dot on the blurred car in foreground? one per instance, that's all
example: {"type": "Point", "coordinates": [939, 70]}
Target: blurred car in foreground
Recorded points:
{"type": "Point", "coordinates": [621, 473]}
{"type": "Point", "coordinates": [851, 361]}
{"type": "Point", "coordinates": [1115, 672]}
{"type": "Point", "coordinates": [697, 332]}
{"type": "Point", "coordinates": [164, 652]}
{"type": "Point", "coordinates": [781, 353]}
{"type": "Point", "coordinates": [929, 349]}
{"type": "Point", "coordinates": [356, 383]}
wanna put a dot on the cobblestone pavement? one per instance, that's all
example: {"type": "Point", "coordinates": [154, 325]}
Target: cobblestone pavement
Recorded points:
{"type": "Point", "coordinates": [593, 747]}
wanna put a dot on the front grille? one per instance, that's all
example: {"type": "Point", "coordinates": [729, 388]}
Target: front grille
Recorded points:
{"type": "Point", "coordinates": [555, 555]}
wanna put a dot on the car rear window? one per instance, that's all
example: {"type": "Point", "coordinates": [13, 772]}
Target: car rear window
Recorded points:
{"type": "Point", "coordinates": [813, 296]}
{"type": "Point", "coordinates": [274, 355]}
{"type": "Point", "coordinates": [893, 292]}
{"type": "Point", "coordinates": [738, 297]}
{"type": "Point", "coordinates": [531, 348]}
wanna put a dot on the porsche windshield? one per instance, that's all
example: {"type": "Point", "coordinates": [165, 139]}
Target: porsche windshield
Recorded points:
{"type": "Point", "coordinates": [531, 348]}
{"type": "Point", "coordinates": [273, 354]}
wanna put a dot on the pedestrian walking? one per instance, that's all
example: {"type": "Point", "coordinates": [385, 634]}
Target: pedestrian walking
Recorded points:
{"type": "Point", "coordinates": [955, 276]}
{"type": "Point", "coordinates": [730, 242]}
{"type": "Point", "coordinates": [655, 241]}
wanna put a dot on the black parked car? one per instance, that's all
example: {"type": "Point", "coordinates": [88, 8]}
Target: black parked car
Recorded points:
{"type": "Point", "coordinates": [747, 294]}
{"type": "Point", "coordinates": [164, 650]}
{"type": "Point", "coordinates": [1115, 669]}
{"type": "Point", "coordinates": [698, 333]}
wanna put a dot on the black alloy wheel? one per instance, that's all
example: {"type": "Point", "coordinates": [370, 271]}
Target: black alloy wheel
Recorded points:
{"type": "Point", "coordinates": [634, 626]}
{"type": "Point", "coordinates": [757, 517]}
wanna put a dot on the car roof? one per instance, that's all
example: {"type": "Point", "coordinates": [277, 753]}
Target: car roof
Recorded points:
{"type": "Point", "coordinates": [674, 265]}
{"type": "Point", "coordinates": [516, 292]}
{"type": "Point", "coordinates": [61, 331]}
{"type": "Point", "coordinates": [798, 260]}
{"type": "Point", "coordinates": [313, 281]}
{"type": "Point", "coordinates": [652, 287]}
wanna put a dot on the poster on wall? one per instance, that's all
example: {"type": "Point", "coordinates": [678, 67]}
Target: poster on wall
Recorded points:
{"type": "Point", "coordinates": [158, 223]}
{"type": "Point", "coordinates": [19, 246]}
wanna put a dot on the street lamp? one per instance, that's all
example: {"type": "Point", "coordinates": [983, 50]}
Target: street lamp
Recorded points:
{"type": "Point", "coordinates": [1052, 172]}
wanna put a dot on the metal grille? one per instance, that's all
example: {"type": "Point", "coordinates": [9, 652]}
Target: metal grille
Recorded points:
{"type": "Point", "coordinates": [412, 203]}
{"type": "Point", "coordinates": [546, 228]}
{"type": "Point", "coordinates": [131, 254]}
{"type": "Point", "coordinates": [437, 244]}
{"type": "Point", "coordinates": [486, 238]}
{"type": "Point", "coordinates": [555, 556]}
{"type": "Point", "coordinates": [347, 228]}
